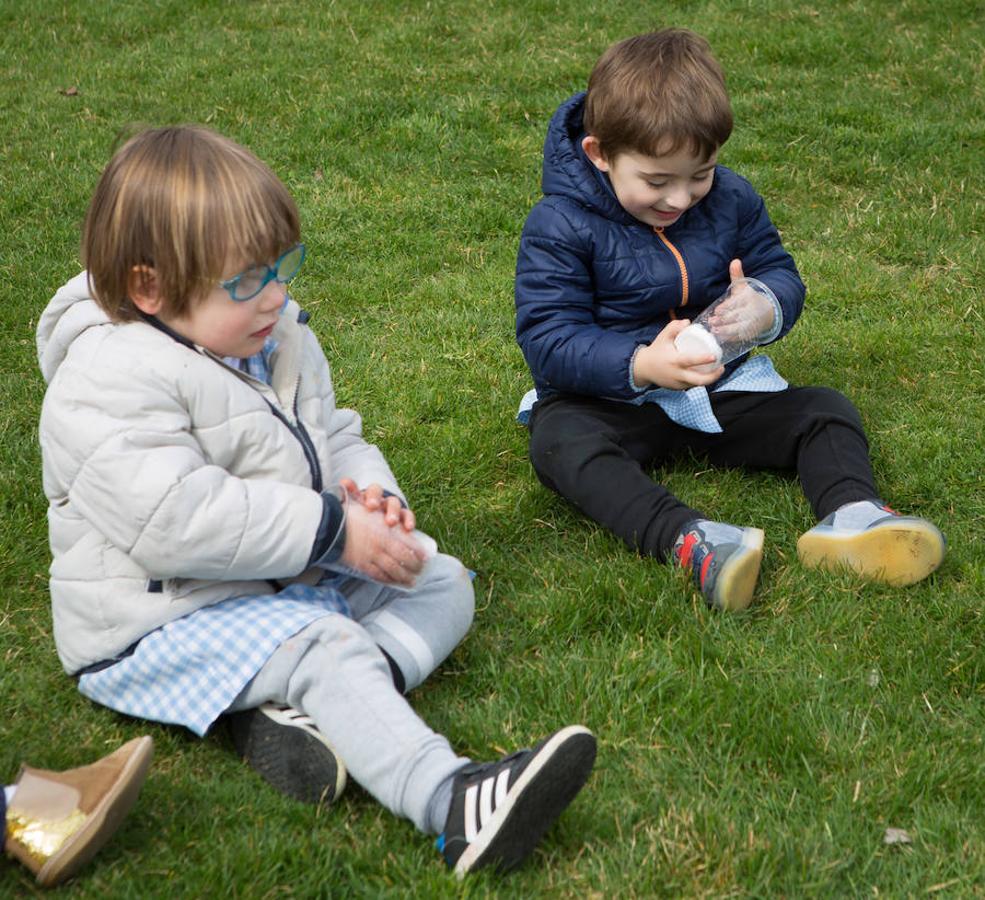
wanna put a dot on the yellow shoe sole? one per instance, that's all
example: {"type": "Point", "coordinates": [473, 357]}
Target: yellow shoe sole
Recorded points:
{"type": "Point", "coordinates": [737, 579]}
{"type": "Point", "coordinates": [898, 552]}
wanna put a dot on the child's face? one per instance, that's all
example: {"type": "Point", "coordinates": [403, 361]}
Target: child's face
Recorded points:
{"type": "Point", "coordinates": [657, 190]}
{"type": "Point", "coordinates": [230, 327]}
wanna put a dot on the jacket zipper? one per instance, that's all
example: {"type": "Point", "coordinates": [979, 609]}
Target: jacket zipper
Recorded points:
{"type": "Point", "coordinates": [680, 264]}
{"type": "Point", "coordinates": [301, 433]}
{"type": "Point", "coordinates": [156, 586]}
{"type": "Point", "coordinates": [309, 451]}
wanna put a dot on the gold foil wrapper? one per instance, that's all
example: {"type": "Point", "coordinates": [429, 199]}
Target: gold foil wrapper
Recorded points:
{"type": "Point", "coordinates": [40, 838]}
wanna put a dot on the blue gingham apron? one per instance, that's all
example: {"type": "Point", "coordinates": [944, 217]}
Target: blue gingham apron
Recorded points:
{"type": "Point", "coordinates": [190, 670]}
{"type": "Point", "coordinates": [692, 408]}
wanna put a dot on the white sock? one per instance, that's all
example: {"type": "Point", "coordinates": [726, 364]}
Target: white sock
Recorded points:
{"type": "Point", "coordinates": [9, 792]}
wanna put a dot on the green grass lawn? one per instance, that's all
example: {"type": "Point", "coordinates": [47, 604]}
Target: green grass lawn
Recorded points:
{"type": "Point", "coordinates": [763, 754]}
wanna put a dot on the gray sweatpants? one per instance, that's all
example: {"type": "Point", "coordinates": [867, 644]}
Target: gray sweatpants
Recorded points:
{"type": "Point", "coordinates": [334, 672]}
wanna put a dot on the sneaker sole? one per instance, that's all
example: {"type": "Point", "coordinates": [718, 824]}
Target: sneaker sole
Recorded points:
{"type": "Point", "coordinates": [736, 581]}
{"type": "Point", "coordinates": [543, 791]}
{"type": "Point", "coordinates": [287, 757]}
{"type": "Point", "coordinates": [103, 822]}
{"type": "Point", "coordinates": [897, 553]}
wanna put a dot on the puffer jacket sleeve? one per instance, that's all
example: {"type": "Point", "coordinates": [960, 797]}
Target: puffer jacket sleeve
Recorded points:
{"type": "Point", "coordinates": [764, 258]}
{"type": "Point", "coordinates": [135, 472]}
{"type": "Point", "coordinates": [555, 321]}
{"type": "Point", "coordinates": [351, 455]}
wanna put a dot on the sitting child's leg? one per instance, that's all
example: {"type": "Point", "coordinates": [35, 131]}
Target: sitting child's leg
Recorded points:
{"type": "Point", "coordinates": [336, 673]}
{"type": "Point", "coordinates": [818, 432]}
{"type": "Point", "coordinates": [593, 453]}
{"type": "Point", "coordinates": [416, 629]}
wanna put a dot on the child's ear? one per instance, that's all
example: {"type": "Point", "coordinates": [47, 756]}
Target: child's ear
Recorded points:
{"type": "Point", "coordinates": [143, 290]}
{"type": "Point", "coordinates": [590, 144]}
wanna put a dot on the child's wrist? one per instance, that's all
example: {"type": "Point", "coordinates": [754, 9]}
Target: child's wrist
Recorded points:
{"type": "Point", "coordinates": [329, 542]}
{"type": "Point", "coordinates": [638, 378]}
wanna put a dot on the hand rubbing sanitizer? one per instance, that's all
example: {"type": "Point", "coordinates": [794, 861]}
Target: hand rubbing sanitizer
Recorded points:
{"type": "Point", "coordinates": [747, 315]}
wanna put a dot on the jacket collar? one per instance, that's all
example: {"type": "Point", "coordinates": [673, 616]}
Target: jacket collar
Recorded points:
{"type": "Point", "coordinates": [166, 329]}
{"type": "Point", "coordinates": [285, 361]}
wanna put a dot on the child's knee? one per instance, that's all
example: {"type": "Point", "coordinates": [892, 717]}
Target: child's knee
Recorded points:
{"type": "Point", "coordinates": [338, 633]}
{"type": "Point", "coordinates": [329, 646]}
{"type": "Point", "coordinates": [453, 585]}
{"type": "Point", "coordinates": [831, 404]}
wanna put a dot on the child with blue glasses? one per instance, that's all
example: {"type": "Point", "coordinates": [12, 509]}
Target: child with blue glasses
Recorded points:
{"type": "Point", "coordinates": [224, 540]}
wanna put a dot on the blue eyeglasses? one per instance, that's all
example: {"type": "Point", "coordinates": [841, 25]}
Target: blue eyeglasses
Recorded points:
{"type": "Point", "coordinates": [251, 281]}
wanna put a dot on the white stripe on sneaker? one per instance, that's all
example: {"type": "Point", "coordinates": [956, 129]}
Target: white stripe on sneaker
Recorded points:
{"type": "Point", "coordinates": [502, 785]}
{"type": "Point", "coordinates": [296, 717]}
{"type": "Point", "coordinates": [485, 801]}
{"type": "Point", "coordinates": [471, 824]}
{"type": "Point", "coordinates": [482, 800]}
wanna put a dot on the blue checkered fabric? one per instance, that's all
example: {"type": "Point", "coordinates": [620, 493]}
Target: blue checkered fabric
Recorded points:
{"type": "Point", "coordinates": [257, 365]}
{"type": "Point", "coordinates": [692, 408]}
{"type": "Point", "coordinates": [189, 671]}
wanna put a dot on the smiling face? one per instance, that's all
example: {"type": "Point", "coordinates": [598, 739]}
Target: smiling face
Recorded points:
{"type": "Point", "coordinates": [230, 327]}
{"type": "Point", "coordinates": [657, 190]}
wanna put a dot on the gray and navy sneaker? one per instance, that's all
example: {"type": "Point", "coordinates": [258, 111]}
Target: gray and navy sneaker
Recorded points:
{"type": "Point", "coordinates": [500, 810]}
{"type": "Point", "coordinates": [875, 541]}
{"type": "Point", "coordinates": [286, 749]}
{"type": "Point", "coordinates": [724, 561]}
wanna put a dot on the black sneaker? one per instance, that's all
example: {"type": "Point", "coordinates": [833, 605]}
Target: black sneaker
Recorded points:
{"type": "Point", "coordinates": [288, 751]}
{"type": "Point", "coordinates": [500, 810]}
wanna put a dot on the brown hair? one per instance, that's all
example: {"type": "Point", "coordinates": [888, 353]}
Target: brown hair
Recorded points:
{"type": "Point", "coordinates": [187, 202]}
{"type": "Point", "coordinates": [657, 92]}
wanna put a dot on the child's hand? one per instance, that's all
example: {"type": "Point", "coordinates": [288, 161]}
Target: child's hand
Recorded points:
{"type": "Point", "coordinates": [372, 497]}
{"type": "Point", "coordinates": [379, 549]}
{"type": "Point", "coordinates": [745, 315]}
{"type": "Point", "coordinates": [661, 364]}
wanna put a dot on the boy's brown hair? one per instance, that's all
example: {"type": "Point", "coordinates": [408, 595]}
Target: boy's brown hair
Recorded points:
{"type": "Point", "coordinates": [186, 202]}
{"type": "Point", "coordinates": [657, 93]}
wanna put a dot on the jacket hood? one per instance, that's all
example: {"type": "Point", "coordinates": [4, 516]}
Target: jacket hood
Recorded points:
{"type": "Point", "coordinates": [70, 312]}
{"type": "Point", "coordinates": [569, 172]}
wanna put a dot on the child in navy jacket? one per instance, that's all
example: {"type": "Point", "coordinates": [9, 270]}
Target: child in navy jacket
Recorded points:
{"type": "Point", "coordinates": [639, 230]}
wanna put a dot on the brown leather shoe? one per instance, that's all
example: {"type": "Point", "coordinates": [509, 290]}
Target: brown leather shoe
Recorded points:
{"type": "Point", "coordinates": [57, 821]}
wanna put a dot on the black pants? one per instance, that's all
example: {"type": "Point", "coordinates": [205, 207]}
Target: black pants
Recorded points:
{"type": "Point", "coordinates": [595, 454]}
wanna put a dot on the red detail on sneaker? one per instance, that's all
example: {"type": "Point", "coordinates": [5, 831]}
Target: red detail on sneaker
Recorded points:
{"type": "Point", "coordinates": [686, 549]}
{"type": "Point", "coordinates": [890, 510]}
{"type": "Point", "coordinates": [704, 567]}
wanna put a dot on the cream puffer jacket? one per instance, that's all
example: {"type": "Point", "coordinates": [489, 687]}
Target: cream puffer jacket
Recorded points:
{"type": "Point", "coordinates": [174, 480]}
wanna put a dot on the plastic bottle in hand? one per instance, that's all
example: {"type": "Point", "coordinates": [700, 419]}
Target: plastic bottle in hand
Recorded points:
{"type": "Point", "coordinates": [747, 315]}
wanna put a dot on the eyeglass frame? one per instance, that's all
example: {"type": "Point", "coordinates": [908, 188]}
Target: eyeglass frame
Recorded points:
{"type": "Point", "coordinates": [230, 284]}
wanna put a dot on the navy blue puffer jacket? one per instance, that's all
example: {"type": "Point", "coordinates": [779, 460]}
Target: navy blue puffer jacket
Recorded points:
{"type": "Point", "coordinates": [593, 283]}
